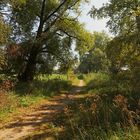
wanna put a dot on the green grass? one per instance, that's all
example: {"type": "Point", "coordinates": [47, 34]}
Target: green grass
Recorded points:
{"type": "Point", "coordinates": [104, 83]}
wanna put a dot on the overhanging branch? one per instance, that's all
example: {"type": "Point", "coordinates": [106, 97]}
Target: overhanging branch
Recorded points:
{"type": "Point", "coordinates": [54, 54]}
{"type": "Point", "coordinates": [69, 35]}
{"type": "Point", "coordinates": [58, 17]}
{"type": "Point", "coordinates": [57, 9]}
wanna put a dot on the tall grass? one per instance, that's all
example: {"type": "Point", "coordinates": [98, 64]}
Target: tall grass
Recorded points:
{"type": "Point", "coordinates": [101, 118]}
{"type": "Point", "coordinates": [104, 83]}
{"type": "Point", "coordinates": [111, 113]}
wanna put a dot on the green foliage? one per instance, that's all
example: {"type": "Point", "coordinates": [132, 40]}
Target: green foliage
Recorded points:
{"type": "Point", "coordinates": [85, 43]}
{"type": "Point", "coordinates": [4, 32]}
{"type": "Point", "coordinates": [123, 15]}
{"type": "Point", "coordinates": [104, 83]}
{"type": "Point", "coordinates": [123, 50]}
{"type": "Point", "coordinates": [135, 80]}
{"type": "Point", "coordinates": [84, 39]}
{"type": "Point", "coordinates": [96, 59]}
{"type": "Point", "coordinates": [44, 85]}
{"type": "Point", "coordinates": [2, 60]}
{"type": "Point", "coordinates": [98, 82]}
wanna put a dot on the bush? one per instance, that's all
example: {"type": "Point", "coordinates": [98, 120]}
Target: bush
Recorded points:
{"type": "Point", "coordinates": [80, 77]}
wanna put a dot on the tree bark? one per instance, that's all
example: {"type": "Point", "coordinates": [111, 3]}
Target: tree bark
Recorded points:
{"type": "Point", "coordinates": [138, 23]}
{"type": "Point", "coordinates": [27, 74]}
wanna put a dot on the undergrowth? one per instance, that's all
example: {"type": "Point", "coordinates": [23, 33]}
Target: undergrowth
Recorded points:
{"type": "Point", "coordinates": [111, 112]}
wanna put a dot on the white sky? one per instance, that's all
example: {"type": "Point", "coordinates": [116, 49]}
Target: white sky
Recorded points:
{"type": "Point", "coordinates": [92, 24]}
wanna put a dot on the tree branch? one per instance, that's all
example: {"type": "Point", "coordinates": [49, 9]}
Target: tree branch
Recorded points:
{"type": "Point", "coordinates": [54, 54]}
{"type": "Point", "coordinates": [71, 36]}
{"type": "Point", "coordinates": [41, 19]}
{"type": "Point", "coordinates": [58, 17]}
{"type": "Point", "coordinates": [57, 9]}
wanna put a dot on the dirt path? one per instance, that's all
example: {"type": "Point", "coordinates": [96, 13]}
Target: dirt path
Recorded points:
{"type": "Point", "coordinates": [41, 118]}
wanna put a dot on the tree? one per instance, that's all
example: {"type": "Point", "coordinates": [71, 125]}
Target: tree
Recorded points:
{"type": "Point", "coordinates": [96, 59]}
{"type": "Point", "coordinates": [124, 48]}
{"type": "Point", "coordinates": [124, 22]}
{"type": "Point", "coordinates": [4, 35]}
{"type": "Point", "coordinates": [38, 22]}
{"type": "Point", "coordinates": [124, 16]}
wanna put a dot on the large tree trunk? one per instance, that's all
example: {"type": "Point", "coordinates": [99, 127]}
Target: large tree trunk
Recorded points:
{"type": "Point", "coordinates": [138, 23]}
{"type": "Point", "coordinates": [28, 72]}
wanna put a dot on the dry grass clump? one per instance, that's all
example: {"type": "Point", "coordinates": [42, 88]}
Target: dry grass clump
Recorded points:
{"type": "Point", "coordinates": [7, 98]}
{"type": "Point", "coordinates": [6, 85]}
